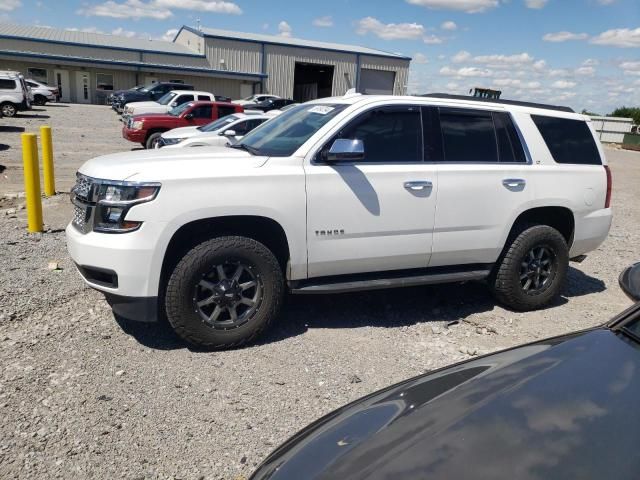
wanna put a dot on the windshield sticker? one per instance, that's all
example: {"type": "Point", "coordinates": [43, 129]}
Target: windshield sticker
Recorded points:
{"type": "Point", "coordinates": [321, 109]}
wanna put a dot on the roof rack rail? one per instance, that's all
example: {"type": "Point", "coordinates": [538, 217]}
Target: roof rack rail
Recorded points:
{"type": "Point", "coordinates": [495, 100]}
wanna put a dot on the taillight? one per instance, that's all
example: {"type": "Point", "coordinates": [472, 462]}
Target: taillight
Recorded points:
{"type": "Point", "coordinates": [607, 202]}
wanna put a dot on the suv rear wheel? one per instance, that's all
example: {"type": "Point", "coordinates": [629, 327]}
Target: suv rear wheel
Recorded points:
{"type": "Point", "coordinates": [8, 109]}
{"type": "Point", "coordinates": [224, 292]}
{"type": "Point", "coordinates": [532, 270]}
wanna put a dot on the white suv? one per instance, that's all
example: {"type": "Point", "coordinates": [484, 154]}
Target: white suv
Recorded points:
{"type": "Point", "coordinates": [339, 195]}
{"type": "Point", "coordinates": [168, 101]}
{"type": "Point", "coordinates": [14, 94]}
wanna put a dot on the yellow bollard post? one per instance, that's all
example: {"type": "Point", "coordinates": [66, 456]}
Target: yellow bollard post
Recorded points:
{"type": "Point", "coordinates": [47, 161]}
{"type": "Point", "coordinates": [32, 181]}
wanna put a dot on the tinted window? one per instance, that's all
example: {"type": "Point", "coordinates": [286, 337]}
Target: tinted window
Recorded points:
{"type": "Point", "coordinates": [468, 136]}
{"type": "Point", "coordinates": [569, 141]}
{"type": "Point", "coordinates": [509, 146]}
{"type": "Point", "coordinates": [224, 111]}
{"type": "Point", "coordinates": [204, 98]}
{"type": "Point", "coordinates": [184, 99]}
{"type": "Point", "coordinates": [218, 124]}
{"type": "Point", "coordinates": [388, 135]}
{"type": "Point", "coordinates": [7, 84]}
{"type": "Point", "coordinates": [240, 128]}
{"type": "Point", "coordinates": [203, 111]}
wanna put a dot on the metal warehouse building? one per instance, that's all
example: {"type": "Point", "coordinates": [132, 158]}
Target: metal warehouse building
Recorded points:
{"type": "Point", "coordinates": [88, 66]}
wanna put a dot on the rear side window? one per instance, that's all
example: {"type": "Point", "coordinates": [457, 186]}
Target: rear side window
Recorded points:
{"type": "Point", "coordinates": [184, 99]}
{"type": "Point", "coordinates": [204, 98]}
{"type": "Point", "coordinates": [569, 141]}
{"type": "Point", "coordinates": [509, 145]}
{"type": "Point", "coordinates": [203, 111]}
{"type": "Point", "coordinates": [468, 136]}
{"type": "Point", "coordinates": [7, 84]}
{"type": "Point", "coordinates": [224, 111]}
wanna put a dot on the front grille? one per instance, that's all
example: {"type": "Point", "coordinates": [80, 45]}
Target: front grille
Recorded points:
{"type": "Point", "coordinates": [82, 198]}
{"type": "Point", "coordinates": [82, 189]}
{"type": "Point", "coordinates": [79, 217]}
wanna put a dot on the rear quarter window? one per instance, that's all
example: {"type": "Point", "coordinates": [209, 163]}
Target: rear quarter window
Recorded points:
{"type": "Point", "coordinates": [568, 140]}
{"type": "Point", "coordinates": [7, 84]}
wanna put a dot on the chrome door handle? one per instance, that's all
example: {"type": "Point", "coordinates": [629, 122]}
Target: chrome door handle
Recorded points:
{"type": "Point", "coordinates": [418, 185]}
{"type": "Point", "coordinates": [514, 182]}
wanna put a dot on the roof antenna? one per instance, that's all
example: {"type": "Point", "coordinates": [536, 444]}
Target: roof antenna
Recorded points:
{"type": "Point", "coordinates": [198, 24]}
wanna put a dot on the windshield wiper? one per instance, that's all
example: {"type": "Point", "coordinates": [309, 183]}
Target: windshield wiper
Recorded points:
{"type": "Point", "coordinates": [251, 150]}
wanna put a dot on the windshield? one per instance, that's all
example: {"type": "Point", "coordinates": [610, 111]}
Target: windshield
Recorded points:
{"type": "Point", "coordinates": [249, 98]}
{"type": "Point", "coordinates": [176, 111]}
{"type": "Point", "coordinates": [218, 124]}
{"type": "Point", "coordinates": [284, 134]}
{"type": "Point", "coordinates": [166, 98]}
{"type": "Point", "coordinates": [146, 88]}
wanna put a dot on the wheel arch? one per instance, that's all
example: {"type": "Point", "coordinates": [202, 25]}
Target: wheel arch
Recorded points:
{"type": "Point", "coordinates": [263, 229]}
{"type": "Point", "coordinates": [559, 217]}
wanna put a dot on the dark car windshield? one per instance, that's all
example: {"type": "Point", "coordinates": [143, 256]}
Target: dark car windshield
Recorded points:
{"type": "Point", "coordinates": [218, 124]}
{"type": "Point", "coordinates": [284, 134]}
{"type": "Point", "coordinates": [176, 111]}
{"type": "Point", "coordinates": [166, 98]}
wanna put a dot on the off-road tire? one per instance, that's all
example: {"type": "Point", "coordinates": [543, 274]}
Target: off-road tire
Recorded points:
{"type": "Point", "coordinates": [151, 140]}
{"type": "Point", "coordinates": [179, 294]}
{"type": "Point", "coordinates": [8, 109]}
{"type": "Point", "coordinates": [506, 278]}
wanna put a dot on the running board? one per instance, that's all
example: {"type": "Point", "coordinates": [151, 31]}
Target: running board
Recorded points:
{"type": "Point", "coordinates": [350, 283]}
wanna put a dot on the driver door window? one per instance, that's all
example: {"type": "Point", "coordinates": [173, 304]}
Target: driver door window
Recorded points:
{"type": "Point", "coordinates": [204, 111]}
{"type": "Point", "coordinates": [389, 135]}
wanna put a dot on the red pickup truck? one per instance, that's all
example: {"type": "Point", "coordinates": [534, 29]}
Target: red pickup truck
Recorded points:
{"type": "Point", "coordinates": [147, 128]}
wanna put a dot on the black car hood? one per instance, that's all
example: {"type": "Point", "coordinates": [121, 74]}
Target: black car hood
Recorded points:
{"type": "Point", "coordinates": [563, 408]}
{"type": "Point", "coordinates": [135, 95]}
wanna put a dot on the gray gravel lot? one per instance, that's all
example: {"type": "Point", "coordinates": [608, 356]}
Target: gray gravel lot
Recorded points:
{"type": "Point", "coordinates": [84, 395]}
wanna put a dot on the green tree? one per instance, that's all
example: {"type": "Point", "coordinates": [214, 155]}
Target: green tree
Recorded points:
{"type": "Point", "coordinates": [627, 112]}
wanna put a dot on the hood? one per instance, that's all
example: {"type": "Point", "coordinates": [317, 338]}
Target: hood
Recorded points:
{"type": "Point", "coordinates": [163, 164]}
{"type": "Point", "coordinates": [564, 408]}
{"type": "Point", "coordinates": [155, 117]}
{"type": "Point", "coordinates": [148, 105]}
{"type": "Point", "coordinates": [182, 132]}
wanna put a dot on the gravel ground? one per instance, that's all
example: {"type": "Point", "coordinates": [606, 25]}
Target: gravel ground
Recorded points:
{"type": "Point", "coordinates": [84, 395]}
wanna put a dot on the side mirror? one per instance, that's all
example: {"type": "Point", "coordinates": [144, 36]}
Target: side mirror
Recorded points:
{"type": "Point", "coordinates": [173, 104]}
{"type": "Point", "coordinates": [189, 116]}
{"type": "Point", "coordinates": [229, 133]}
{"type": "Point", "coordinates": [345, 150]}
{"type": "Point", "coordinates": [630, 282]}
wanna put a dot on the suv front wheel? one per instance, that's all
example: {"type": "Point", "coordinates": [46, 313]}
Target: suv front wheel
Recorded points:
{"type": "Point", "coordinates": [224, 292]}
{"type": "Point", "coordinates": [8, 109]}
{"type": "Point", "coordinates": [533, 268]}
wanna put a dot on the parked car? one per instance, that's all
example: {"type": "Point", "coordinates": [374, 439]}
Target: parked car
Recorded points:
{"type": "Point", "coordinates": [14, 93]}
{"type": "Point", "coordinates": [272, 104]}
{"type": "Point", "coordinates": [339, 195]}
{"type": "Point", "coordinates": [114, 95]}
{"type": "Point", "coordinates": [557, 408]}
{"type": "Point", "coordinates": [258, 97]}
{"type": "Point", "coordinates": [42, 93]}
{"type": "Point", "coordinates": [147, 128]}
{"type": "Point", "coordinates": [224, 131]}
{"type": "Point", "coordinates": [150, 92]}
{"type": "Point", "coordinates": [170, 100]}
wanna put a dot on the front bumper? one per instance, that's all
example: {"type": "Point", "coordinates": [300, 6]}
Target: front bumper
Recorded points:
{"type": "Point", "coordinates": [137, 136]}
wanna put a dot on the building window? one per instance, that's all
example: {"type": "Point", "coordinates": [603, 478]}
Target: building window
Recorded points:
{"type": "Point", "coordinates": [37, 74]}
{"type": "Point", "coordinates": [104, 81]}
{"type": "Point", "coordinates": [176, 81]}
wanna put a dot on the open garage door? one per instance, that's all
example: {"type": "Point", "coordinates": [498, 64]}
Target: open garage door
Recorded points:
{"type": "Point", "coordinates": [376, 82]}
{"type": "Point", "coordinates": [312, 81]}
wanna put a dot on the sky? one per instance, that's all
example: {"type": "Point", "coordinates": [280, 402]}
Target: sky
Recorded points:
{"type": "Point", "coordinates": [581, 53]}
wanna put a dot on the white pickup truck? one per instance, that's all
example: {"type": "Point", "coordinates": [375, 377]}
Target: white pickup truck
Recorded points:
{"type": "Point", "coordinates": [338, 195]}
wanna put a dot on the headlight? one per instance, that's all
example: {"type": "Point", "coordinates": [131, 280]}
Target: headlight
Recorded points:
{"type": "Point", "coordinates": [115, 200]}
{"type": "Point", "coordinates": [137, 125]}
{"type": "Point", "coordinates": [172, 141]}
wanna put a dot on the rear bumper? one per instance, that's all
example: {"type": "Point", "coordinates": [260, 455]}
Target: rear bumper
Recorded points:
{"type": "Point", "coordinates": [591, 230]}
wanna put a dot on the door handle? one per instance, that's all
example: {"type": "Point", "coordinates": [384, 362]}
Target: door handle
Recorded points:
{"type": "Point", "coordinates": [514, 182]}
{"type": "Point", "coordinates": [418, 185]}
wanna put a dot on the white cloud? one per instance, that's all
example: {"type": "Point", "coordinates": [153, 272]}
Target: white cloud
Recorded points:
{"type": "Point", "coordinates": [325, 21]}
{"type": "Point", "coordinates": [591, 62]}
{"type": "Point", "coordinates": [284, 29]}
{"type": "Point", "coordinates": [586, 71]}
{"type": "Point", "coordinates": [507, 82]}
{"type": "Point", "coordinates": [504, 60]}
{"type": "Point", "coordinates": [466, 72]}
{"type": "Point", "coordinates": [9, 5]}
{"type": "Point", "coordinates": [389, 31]}
{"type": "Point", "coordinates": [124, 33]}
{"type": "Point", "coordinates": [564, 36]}
{"type": "Point", "coordinates": [630, 67]}
{"type": "Point", "coordinates": [169, 35]}
{"type": "Point", "coordinates": [84, 29]}
{"type": "Point", "coordinates": [420, 58]}
{"type": "Point", "coordinates": [619, 37]}
{"type": "Point", "coordinates": [432, 40]}
{"type": "Point", "coordinates": [537, 4]}
{"type": "Point", "coordinates": [562, 84]}
{"type": "Point", "coordinates": [461, 56]}
{"type": "Point", "coordinates": [449, 25]}
{"type": "Point", "coordinates": [155, 9]}
{"type": "Point", "coordinates": [468, 6]}
{"type": "Point", "coordinates": [606, 2]}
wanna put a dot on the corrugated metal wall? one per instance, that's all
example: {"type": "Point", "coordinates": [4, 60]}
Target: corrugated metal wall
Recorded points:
{"type": "Point", "coordinates": [243, 57]}
{"type": "Point", "coordinates": [191, 40]}
{"type": "Point", "coordinates": [281, 62]}
{"type": "Point", "coordinates": [401, 67]}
